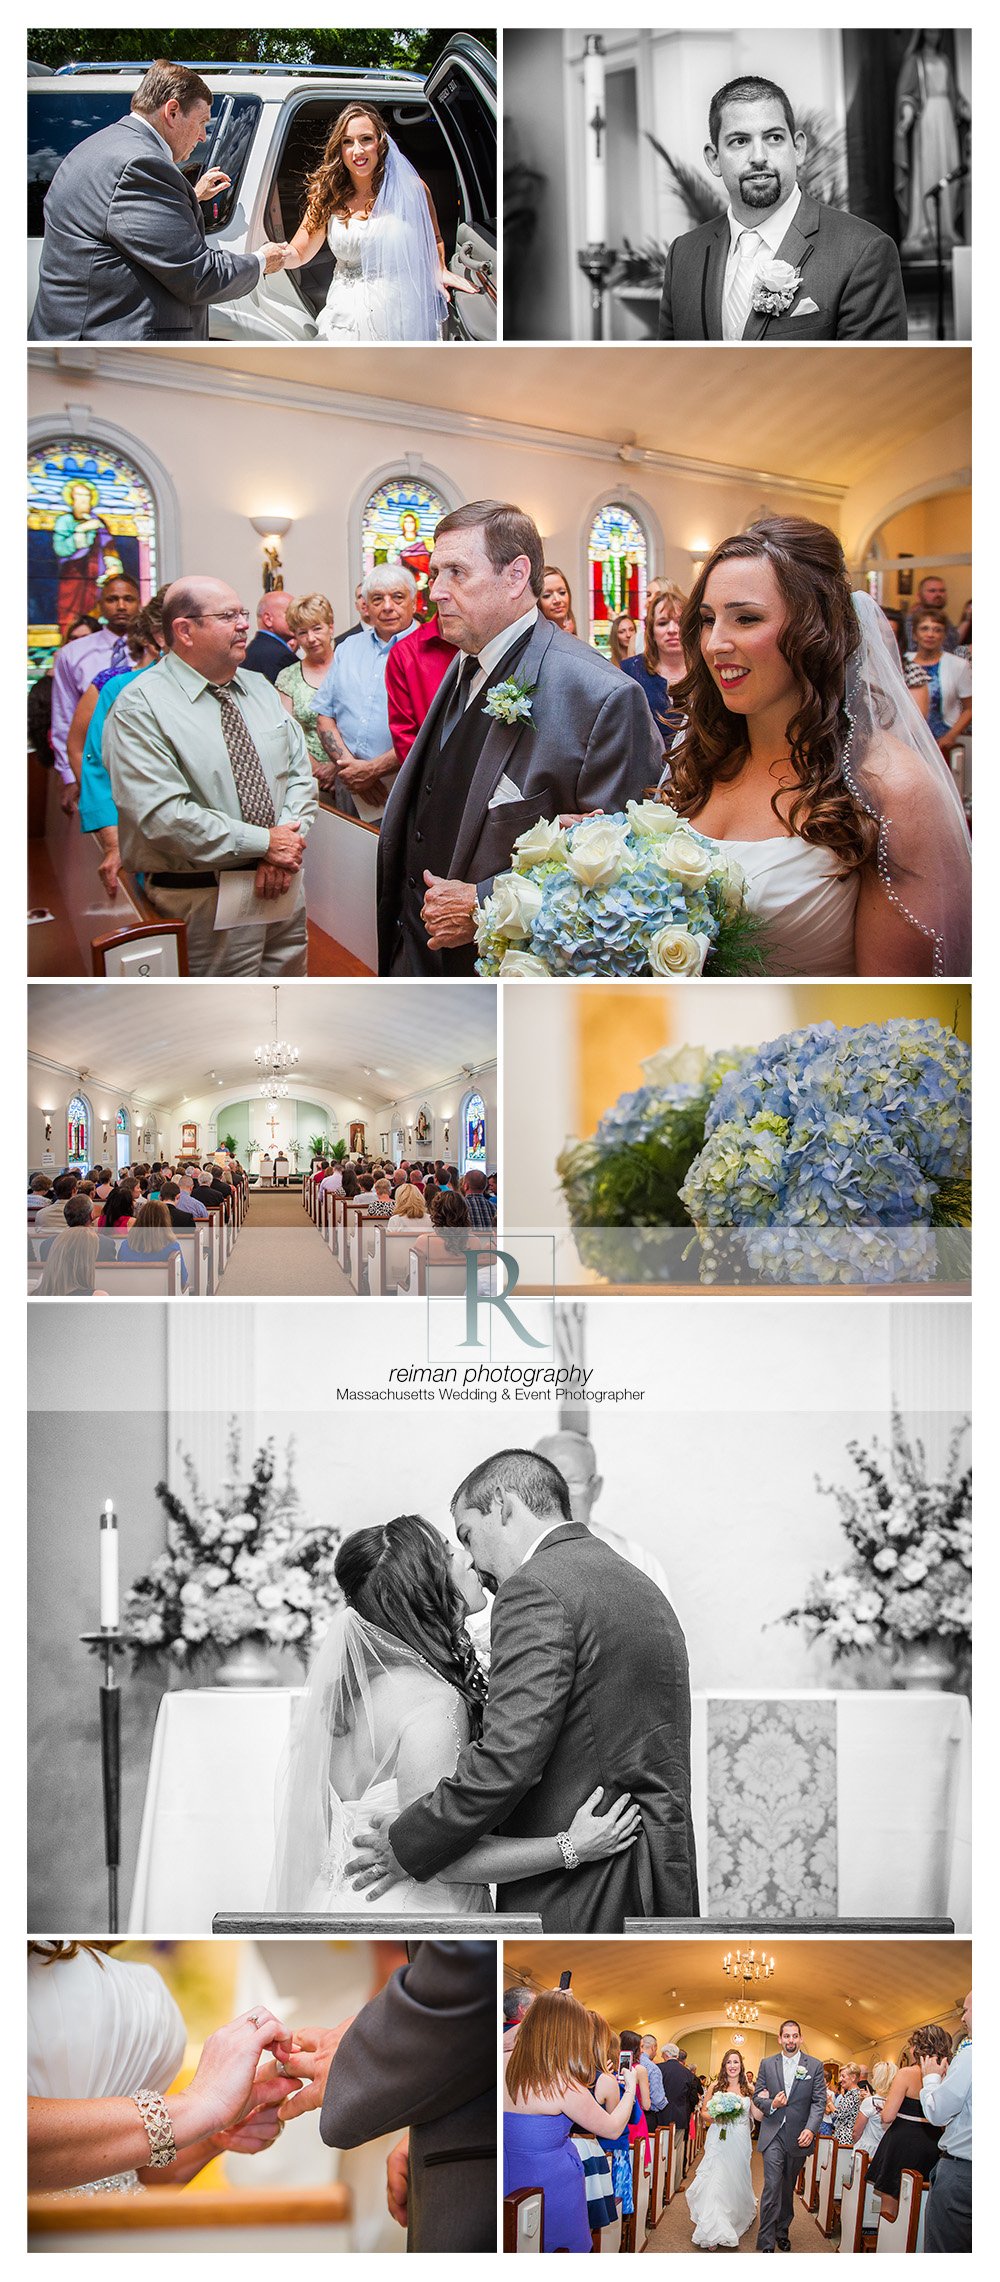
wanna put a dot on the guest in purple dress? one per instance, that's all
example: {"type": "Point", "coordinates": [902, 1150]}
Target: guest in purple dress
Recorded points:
{"type": "Point", "coordinates": [545, 2095]}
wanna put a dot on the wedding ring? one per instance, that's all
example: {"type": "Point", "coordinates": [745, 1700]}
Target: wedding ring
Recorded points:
{"type": "Point", "coordinates": [255, 2018]}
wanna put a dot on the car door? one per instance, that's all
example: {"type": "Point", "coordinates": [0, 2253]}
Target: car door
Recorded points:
{"type": "Point", "coordinates": [461, 88]}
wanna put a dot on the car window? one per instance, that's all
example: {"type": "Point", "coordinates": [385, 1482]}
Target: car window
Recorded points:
{"type": "Point", "coordinates": [58, 122]}
{"type": "Point", "coordinates": [467, 121]}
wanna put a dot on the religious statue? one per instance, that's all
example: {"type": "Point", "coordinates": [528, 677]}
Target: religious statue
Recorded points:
{"type": "Point", "coordinates": [930, 116]}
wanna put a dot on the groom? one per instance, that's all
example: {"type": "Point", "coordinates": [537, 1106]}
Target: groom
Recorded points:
{"type": "Point", "coordinates": [841, 277]}
{"type": "Point", "coordinates": [573, 1625]}
{"type": "Point", "coordinates": [473, 779]}
{"type": "Point", "coordinates": [789, 2101]}
{"type": "Point", "coordinates": [124, 256]}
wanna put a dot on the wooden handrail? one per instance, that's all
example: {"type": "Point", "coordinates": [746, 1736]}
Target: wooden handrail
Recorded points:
{"type": "Point", "coordinates": [178, 2208]}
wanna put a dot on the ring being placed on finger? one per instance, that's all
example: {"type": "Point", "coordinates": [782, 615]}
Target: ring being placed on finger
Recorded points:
{"type": "Point", "coordinates": [255, 2019]}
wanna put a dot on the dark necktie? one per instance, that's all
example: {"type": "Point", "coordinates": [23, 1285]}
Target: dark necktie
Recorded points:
{"type": "Point", "coordinates": [459, 698]}
{"type": "Point", "coordinates": [252, 789]}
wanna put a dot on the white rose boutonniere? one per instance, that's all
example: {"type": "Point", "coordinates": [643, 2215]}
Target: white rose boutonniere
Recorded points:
{"type": "Point", "coordinates": [510, 702]}
{"type": "Point", "coordinates": [800, 2071]}
{"type": "Point", "coordinates": [775, 286]}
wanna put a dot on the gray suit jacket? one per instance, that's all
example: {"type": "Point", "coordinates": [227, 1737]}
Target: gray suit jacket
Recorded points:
{"type": "Point", "coordinates": [848, 268]}
{"type": "Point", "coordinates": [568, 1630]}
{"type": "Point", "coordinates": [591, 743]}
{"type": "Point", "coordinates": [423, 2054]}
{"type": "Point", "coordinates": [124, 256]}
{"type": "Point", "coordinates": [806, 2101]}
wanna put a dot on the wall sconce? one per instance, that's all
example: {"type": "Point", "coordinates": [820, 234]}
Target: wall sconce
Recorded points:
{"type": "Point", "coordinates": [272, 529]}
{"type": "Point", "coordinates": [699, 554]}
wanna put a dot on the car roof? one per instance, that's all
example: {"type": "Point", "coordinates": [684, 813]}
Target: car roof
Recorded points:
{"type": "Point", "coordinates": [112, 74]}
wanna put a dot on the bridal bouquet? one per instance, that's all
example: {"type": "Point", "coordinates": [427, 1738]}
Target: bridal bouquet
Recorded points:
{"type": "Point", "coordinates": [636, 894]}
{"type": "Point", "coordinates": [908, 1577]}
{"type": "Point", "coordinates": [724, 2108]}
{"type": "Point", "coordinates": [242, 1566]}
{"type": "Point", "coordinates": [823, 1156]}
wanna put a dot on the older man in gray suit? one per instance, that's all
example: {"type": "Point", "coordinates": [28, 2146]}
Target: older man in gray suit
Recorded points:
{"type": "Point", "coordinates": [474, 780]}
{"type": "Point", "coordinates": [422, 2054]}
{"type": "Point", "coordinates": [789, 2101]}
{"type": "Point", "coordinates": [124, 256]}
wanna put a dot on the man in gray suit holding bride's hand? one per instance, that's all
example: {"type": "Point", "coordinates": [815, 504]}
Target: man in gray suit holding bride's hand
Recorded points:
{"type": "Point", "coordinates": [789, 2101]}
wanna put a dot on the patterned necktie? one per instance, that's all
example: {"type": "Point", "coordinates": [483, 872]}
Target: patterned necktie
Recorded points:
{"type": "Point", "coordinates": [459, 698]}
{"type": "Point", "coordinates": [252, 789]}
{"type": "Point", "coordinates": [740, 291]}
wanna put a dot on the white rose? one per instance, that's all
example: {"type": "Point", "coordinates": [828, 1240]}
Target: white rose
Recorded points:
{"type": "Point", "coordinates": [269, 1596]}
{"type": "Point", "coordinates": [675, 1066]}
{"type": "Point", "coordinates": [597, 853]}
{"type": "Point", "coordinates": [675, 951]}
{"type": "Point", "coordinates": [191, 1595]}
{"type": "Point", "coordinates": [514, 904]}
{"type": "Point", "coordinates": [777, 276]}
{"type": "Point", "coordinates": [734, 883]}
{"type": "Point", "coordinates": [649, 820]}
{"type": "Point", "coordinates": [523, 964]}
{"type": "Point", "coordinates": [686, 859]}
{"type": "Point", "coordinates": [544, 841]}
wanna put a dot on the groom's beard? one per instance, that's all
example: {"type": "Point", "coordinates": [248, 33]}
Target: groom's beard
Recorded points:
{"type": "Point", "coordinates": [760, 189]}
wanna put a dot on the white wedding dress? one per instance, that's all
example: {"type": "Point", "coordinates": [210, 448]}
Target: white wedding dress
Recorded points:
{"type": "Point", "coordinates": [721, 2200]}
{"type": "Point", "coordinates": [794, 887]}
{"type": "Point", "coordinates": [99, 2029]}
{"type": "Point", "coordinates": [373, 1711]}
{"type": "Point", "coordinates": [362, 305]}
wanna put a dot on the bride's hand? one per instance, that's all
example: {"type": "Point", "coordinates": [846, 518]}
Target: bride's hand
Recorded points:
{"type": "Point", "coordinates": [221, 2089]}
{"type": "Point", "coordinates": [452, 284]}
{"type": "Point", "coordinates": [593, 1836]}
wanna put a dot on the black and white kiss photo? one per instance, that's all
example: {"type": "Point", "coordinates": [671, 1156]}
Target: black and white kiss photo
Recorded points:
{"type": "Point", "coordinates": [811, 2096]}
{"type": "Point", "coordinates": [672, 1628]}
{"type": "Point", "coordinates": [301, 186]}
{"type": "Point", "coordinates": [738, 185]}
{"type": "Point", "coordinates": [261, 2096]}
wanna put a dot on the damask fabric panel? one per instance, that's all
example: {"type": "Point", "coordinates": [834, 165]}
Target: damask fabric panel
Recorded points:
{"type": "Point", "coordinates": [901, 1821]}
{"type": "Point", "coordinates": [772, 1808]}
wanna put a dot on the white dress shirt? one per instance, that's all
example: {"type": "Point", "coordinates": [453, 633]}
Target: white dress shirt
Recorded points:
{"type": "Point", "coordinates": [947, 2100]}
{"type": "Point", "coordinates": [771, 228]}
{"type": "Point", "coordinates": [493, 650]}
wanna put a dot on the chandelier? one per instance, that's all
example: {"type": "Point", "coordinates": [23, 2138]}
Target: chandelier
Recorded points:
{"type": "Point", "coordinates": [746, 1967]}
{"type": "Point", "coordinates": [274, 1060]}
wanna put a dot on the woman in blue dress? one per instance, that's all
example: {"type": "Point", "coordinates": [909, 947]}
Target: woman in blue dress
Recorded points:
{"type": "Point", "coordinates": [661, 662]}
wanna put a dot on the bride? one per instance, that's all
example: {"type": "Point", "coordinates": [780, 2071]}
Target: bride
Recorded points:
{"type": "Point", "coordinates": [804, 752]}
{"type": "Point", "coordinates": [395, 1691]}
{"type": "Point", "coordinates": [721, 2200]}
{"type": "Point", "coordinates": [368, 204]}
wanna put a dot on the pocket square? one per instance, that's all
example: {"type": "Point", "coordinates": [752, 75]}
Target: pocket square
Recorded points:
{"type": "Point", "coordinates": [506, 790]}
{"type": "Point", "coordinates": [806, 309]}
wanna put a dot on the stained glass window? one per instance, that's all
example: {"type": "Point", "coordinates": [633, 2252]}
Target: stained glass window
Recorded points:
{"type": "Point", "coordinates": [398, 526]}
{"type": "Point", "coordinates": [90, 517]}
{"type": "Point", "coordinates": [473, 1133]}
{"type": "Point", "coordinates": [78, 1131]}
{"type": "Point", "coordinates": [618, 566]}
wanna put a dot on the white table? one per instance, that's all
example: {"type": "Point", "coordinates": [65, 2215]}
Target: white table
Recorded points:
{"type": "Point", "coordinates": [895, 1822]}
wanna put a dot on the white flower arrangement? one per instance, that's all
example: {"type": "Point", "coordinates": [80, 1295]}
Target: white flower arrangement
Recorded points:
{"type": "Point", "coordinates": [909, 1577]}
{"type": "Point", "coordinates": [776, 284]}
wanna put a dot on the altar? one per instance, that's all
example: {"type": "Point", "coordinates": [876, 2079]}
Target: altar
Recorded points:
{"type": "Point", "coordinates": [835, 1803]}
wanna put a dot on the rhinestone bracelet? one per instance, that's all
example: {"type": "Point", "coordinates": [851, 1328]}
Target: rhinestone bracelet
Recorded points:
{"type": "Point", "coordinates": [158, 2128]}
{"type": "Point", "coordinates": [570, 1856]}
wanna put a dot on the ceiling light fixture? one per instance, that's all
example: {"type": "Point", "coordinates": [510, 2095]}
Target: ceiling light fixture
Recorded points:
{"type": "Point", "coordinates": [274, 1060]}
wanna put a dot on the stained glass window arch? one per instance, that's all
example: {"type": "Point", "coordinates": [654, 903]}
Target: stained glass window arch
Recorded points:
{"type": "Point", "coordinates": [398, 522]}
{"type": "Point", "coordinates": [474, 1133]}
{"type": "Point", "coordinates": [79, 1116]}
{"type": "Point", "coordinates": [617, 569]}
{"type": "Point", "coordinates": [91, 515]}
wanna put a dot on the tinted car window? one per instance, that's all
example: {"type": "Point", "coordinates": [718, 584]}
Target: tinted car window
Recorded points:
{"type": "Point", "coordinates": [57, 123]}
{"type": "Point", "coordinates": [467, 121]}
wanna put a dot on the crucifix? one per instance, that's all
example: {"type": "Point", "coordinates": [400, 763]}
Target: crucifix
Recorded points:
{"type": "Point", "coordinates": [273, 1126]}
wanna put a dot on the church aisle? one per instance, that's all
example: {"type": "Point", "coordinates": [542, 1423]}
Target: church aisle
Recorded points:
{"type": "Point", "coordinates": [674, 2230]}
{"type": "Point", "coordinates": [294, 1263]}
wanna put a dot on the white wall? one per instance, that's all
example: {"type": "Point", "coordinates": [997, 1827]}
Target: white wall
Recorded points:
{"type": "Point", "coordinates": [444, 1103]}
{"type": "Point", "coordinates": [51, 1091]}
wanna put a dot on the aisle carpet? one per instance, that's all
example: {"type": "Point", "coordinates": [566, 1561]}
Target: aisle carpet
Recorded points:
{"type": "Point", "coordinates": [674, 2230]}
{"type": "Point", "coordinates": [279, 1251]}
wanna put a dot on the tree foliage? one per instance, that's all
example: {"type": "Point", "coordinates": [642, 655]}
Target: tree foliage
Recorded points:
{"type": "Point", "coordinates": [357, 50]}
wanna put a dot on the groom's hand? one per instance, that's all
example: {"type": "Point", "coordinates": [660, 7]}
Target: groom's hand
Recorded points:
{"type": "Point", "coordinates": [274, 258]}
{"type": "Point", "coordinates": [397, 2180]}
{"type": "Point", "coordinates": [449, 912]}
{"type": "Point", "coordinates": [308, 2055]}
{"type": "Point", "coordinates": [805, 2139]}
{"type": "Point", "coordinates": [373, 1867]}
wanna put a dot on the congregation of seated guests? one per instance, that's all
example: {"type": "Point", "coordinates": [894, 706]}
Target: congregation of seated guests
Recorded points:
{"type": "Point", "coordinates": [83, 1220]}
{"type": "Point", "coordinates": [436, 1211]}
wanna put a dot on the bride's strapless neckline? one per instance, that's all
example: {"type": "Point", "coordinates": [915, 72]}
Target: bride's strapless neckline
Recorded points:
{"type": "Point", "coordinates": [808, 905]}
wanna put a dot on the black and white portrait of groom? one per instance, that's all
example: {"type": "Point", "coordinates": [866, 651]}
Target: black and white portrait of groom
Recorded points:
{"type": "Point", "coordinates": [572, 1624]}
{"type": "Point", "coordinates": [789, 2099]}
{"type": "Point", "coordinates": [778, 265]}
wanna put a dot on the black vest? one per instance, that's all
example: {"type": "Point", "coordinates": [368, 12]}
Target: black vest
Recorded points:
{"type": "Point", "coordinates": [437, 805]}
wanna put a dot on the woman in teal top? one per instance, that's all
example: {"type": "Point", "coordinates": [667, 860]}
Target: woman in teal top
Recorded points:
{"type": "Point", "coordinates": [97, 807]}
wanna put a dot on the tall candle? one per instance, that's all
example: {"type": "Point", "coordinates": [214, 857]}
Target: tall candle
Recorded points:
{"type": "Point", "coordinates": [110, 1611]}
{"type": "Point", "coordinates": [596, 201]}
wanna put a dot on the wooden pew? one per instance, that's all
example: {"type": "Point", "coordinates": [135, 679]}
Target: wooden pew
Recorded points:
{"type": "Point", "coordinates": [806, 2182]}
{"type": "Point", "coordinates": [523, 2215]}
{"type": "Point", "coordinates": [663, 2176]}
{"type": "Point", "coordinates": [197, 2219]}
{"type": "Point", "coordinates": [905, 2231]}
{"type": "Point", "coordinates": [142, 945]}
{"type": "Point", "coordinates": [857, 2232]}
{"type": "Point", "coordinates": [131, 1279]}
{"type": "Point", "coordinates": [634, 2227]}
{"type": "Point", "coordinates": [824, 2155]}
{"type": "Point", "coordinates": [831, 2187]}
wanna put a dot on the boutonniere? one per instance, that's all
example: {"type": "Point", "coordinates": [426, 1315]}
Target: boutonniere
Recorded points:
{"type": "Point", "coordinates": [775, 286]}
{"type": "Point", "coordinates": [510, 702]}
{"type": "Point", "coordinates": [800, 2072]}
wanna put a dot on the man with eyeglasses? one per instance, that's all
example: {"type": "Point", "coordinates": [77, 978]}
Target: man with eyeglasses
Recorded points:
{"type": "Point", "coordinates": [211, 776]}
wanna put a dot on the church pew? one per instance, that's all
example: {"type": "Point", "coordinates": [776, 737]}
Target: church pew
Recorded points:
{"type": "Point", "coordinates": [523, 2214]}
{"type": "Point", "coordinates": [859, 2206]}
{"type": "Point", "coordinates": [634, 2230]}
{"type": "Point", "coordinates": [195, 1243]}
{"type": "Point", "coordinates": [123, 938]}
{"type": "Point", "coordinates": [131, 1279]}
{"type": "Point", "coordinates": [228, 2218]}
{"type": "Point", "coordinates": [824, 2154]}
{"type": "Point", "coordinates": [608, 2238]}
{"type": "Point", "coordinates": [905, 2231]}
{"type": "Point", "coordinates": [831, 2187]}
{"type": "Point", "coordinates": [340, 868]}
{"type": "Point", "coordinates": [806, 2182]}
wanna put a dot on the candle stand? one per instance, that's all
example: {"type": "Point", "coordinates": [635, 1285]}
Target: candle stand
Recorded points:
{"type": "Point", "coordinates": [110, 1644]}
{"type": "Point", "coordinates": [597, 262]}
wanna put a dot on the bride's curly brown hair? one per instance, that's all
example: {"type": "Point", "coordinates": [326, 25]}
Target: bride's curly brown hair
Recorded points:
{"type": "Point", "coordinates": [329, 188]}
{"type": "Point", "coordinates": [399, 1579]}
{"type": "Point", "coordinates": [819, 637]}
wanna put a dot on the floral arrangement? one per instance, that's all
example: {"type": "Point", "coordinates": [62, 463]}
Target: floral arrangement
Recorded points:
{"type": "Point", "coordinates": [510, 702]}
{"type": "Point", "coordinates": [823, 1156]}
{"type": "Point", "coordinates": [639, 893]}
{"type": "Point", "coordinates": [242, 1566]}
{"type": "Point", "coordinates": [909, 1573]}
{"type": "Point", "coordinates": [725, 2108]}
